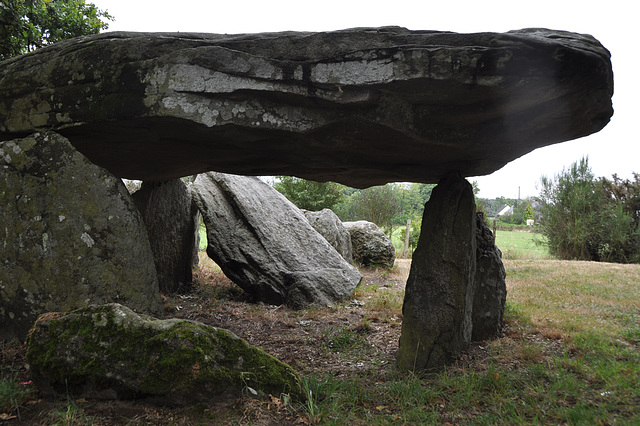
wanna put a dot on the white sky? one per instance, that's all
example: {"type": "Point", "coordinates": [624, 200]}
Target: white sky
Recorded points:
{"type": "Point", "coordinates": [615, 149]}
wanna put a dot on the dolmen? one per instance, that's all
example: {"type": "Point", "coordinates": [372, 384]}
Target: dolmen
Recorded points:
{"type": "Point", "coordinates": [362, 107]}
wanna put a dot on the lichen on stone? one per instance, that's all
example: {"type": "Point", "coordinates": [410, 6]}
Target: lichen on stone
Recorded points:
{"type": "Point", "coordinates": [109, 351]}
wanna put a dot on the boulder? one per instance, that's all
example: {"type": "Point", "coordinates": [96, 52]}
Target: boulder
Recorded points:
{"type": "Point", "coordinates": [264, 244]}
{"type": "Point", "coordinates": [172, 222]}
{"type": "Point", "coordinates": [438, 300]}
{"type": "Point", "coordinates": [490, 289]}
{"type": "Point", "coordinates": [362, 106]}
{"type": "Point", "coordinates": [71, 236]}
{"type": "Point", "coordinates": [109, 352]}
{"type": "Point", "coordinates": [329, 225]}
{"type": "Point", "coordinates": [371, 246]}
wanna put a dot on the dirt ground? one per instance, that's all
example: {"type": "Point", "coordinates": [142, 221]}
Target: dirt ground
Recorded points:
{"type": "Point", "coordinates": [312, 341]}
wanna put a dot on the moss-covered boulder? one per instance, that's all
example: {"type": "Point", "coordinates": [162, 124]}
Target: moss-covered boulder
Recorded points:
{"type": "Point", "coordinates": [110, 352]}
{"type": "Point", "coordinates": [71, 236]}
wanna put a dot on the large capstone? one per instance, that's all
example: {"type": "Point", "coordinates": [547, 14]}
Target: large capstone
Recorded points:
{"type": "Point", "coordinates": [172, 222]}
{"type": "Point", "coordinates": [71, 236]}
{"type": "Point", "coordinates": [110, 352]}
{"type": "Point", "coordinates": [490, 289]}
{"type": "Point", "coordinates": [265, 245]}
{"type": "Point", "coordinates": [438, 301]}
{"type": "Point", "coordinates": [362, 106]}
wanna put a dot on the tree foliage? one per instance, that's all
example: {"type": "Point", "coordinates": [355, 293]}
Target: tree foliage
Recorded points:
{"type": "Point", "coordinates": [308, 194]}
{"type": "Point", "coordinates": [590, 219]}
{"type": "Point", "coordinates": [26, 25]}
{"type": "Point", "coordinates": [377, 204]}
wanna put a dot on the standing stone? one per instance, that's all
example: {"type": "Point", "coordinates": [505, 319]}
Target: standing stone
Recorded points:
{"type": "Point", "coordinates": [172, 220]}
{"type": "Point", "coordinates": [329, 225]}
{"type": "Point", "coordinates": [489, 287]}
{"type": "Point", "coordinates": [71, 236]}
{"type": "Point", "coordinates": [264, 244]}
{"type": "Point", "coordinates": [371, 247]}
{"type": "Point", "coordinates": [436, 323]}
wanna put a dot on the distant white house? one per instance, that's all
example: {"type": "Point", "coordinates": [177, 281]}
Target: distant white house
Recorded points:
{"type": "Point", "coordinates": [506, 209]}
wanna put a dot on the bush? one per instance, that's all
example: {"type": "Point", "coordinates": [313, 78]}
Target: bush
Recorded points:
{"type": "Point", "coordinates": [581, 219]}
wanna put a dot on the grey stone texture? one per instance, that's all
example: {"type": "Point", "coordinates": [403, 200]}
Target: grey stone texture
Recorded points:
{"type": "Point", "coordinates": [490, 289]}
{"type": "Point", "coordinates": [71, 236]}
{"type": "Point", "coordinates": [362, 106]}
{"type": "Point", "coordinates": [329, 225]}
{"type": "Point", "coordinates": [172, 222]}
{"type": "Point", "coordinates": [438, 301]}
{"type": "Point", "coordinates": [371, 246]}
{"type": "Point", "coordinates": [264, 244]}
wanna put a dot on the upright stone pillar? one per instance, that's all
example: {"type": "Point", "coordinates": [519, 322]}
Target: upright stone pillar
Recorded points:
{"type": "Point", "coordinates": [436, 323]}
{"type": "Point", "coordinates": [172, 222]}
{"type": "Point", "coordinates": [490, 288]}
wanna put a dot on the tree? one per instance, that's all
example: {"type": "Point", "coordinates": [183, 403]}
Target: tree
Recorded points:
{"type": "Point", "coordinates": [378, 204]}
{"type": "Point", "coordinates": [529, 214]}
{"type": "Point", "coordinates": [412, 198]}
{"type": "Point", "coordinates": [26, 25]}
{"type": "Point", "coordinates": [308, 194]}
{"type": "Point", "coordinates": [583, 220]}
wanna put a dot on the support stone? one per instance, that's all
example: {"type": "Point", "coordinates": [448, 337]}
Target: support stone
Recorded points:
{"type": "Point", "coordinates": [172, 221]}
{"type": "Point", "coordinates": [436, 324]}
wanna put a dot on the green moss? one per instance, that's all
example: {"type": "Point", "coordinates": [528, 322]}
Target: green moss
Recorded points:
{"type": "Point", "coordinates": [110, 347]}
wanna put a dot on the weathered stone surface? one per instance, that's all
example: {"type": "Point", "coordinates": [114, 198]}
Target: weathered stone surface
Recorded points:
{"type": "Point", "coordinates": [110, 352]}
{"type": "Point", "coordinates": [265, 245]}
{"type": "Point", "coordinates": [436, 321]}
{"type": "Point", "coordinates": [172, 221]}
{"type": "Point", "coordinates": [490, 289]}
{"type": "Point", "coordinates": [71, 236]}
{"type": "Point", "coordinates": [371, 246]}
{"type": "Point", "coordinates": [329, 225]}
{"type": "Point", "coordinates": [361, 106]}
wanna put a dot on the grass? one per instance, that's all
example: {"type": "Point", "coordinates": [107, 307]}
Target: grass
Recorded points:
{"type": "Point", "coordinates": [521, 245]}
{"type": "Point", "coordinates": [570, 355]}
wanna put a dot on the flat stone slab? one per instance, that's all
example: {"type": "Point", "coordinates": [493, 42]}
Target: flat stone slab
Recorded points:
{"type": "Point", "coordinates": [361, 106]}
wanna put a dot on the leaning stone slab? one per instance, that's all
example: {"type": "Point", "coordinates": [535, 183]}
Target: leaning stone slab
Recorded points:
{"type": "Point", "coordinates": [71, 236]}
{"type": "Point", "coordinates": [371, 246]}
{"type": "Point", "coordinates": [362, 106]}
{"type": "Point", "coordinates": [436, 321]}
{"type": "Point", "coordinates": [110, 352]}
{"type": "Point", "coordinates": [265, 245]}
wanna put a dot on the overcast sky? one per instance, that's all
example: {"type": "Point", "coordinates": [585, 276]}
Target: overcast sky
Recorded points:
{"type": "Point", "coordinates": [615, 149]}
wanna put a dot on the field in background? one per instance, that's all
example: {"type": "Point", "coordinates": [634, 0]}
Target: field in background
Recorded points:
{"type": "Point", "coordinates": [513, 244]}
{"type": "Point", "coordinates": [521, 245]}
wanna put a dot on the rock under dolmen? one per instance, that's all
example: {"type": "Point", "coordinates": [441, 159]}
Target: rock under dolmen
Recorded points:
{"type": "Point", "coordinates": [263, 243]}
{"type": "Point", "coordinates": [329, 225]}
{"type": "Point", "coordinates": [371, 246]}
{"type": "Point", "coordinates": [362, 107]}
{"type": "Point", "coordinates": [71, 236]}
{"type": "Point", "coordinates": [172, 221]}
{"type": "Point", "coordinates": [490, 288]}
{"type": "Point", "coordinates": [438, 300]}
{"type": "Point", "coordinates": [110, 352]}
